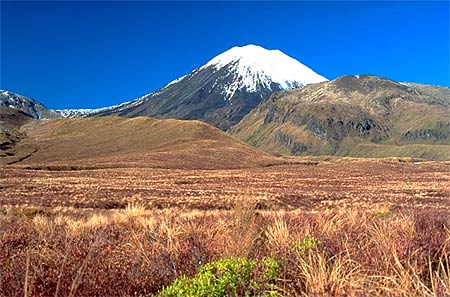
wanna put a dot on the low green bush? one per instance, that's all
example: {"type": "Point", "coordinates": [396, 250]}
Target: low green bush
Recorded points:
{"type": "Point", "coordinates": [381, 215]}
{"type": "Point", "coordinates": [229, 277]}
{"type": "Point", "coordinates": [307, 244]}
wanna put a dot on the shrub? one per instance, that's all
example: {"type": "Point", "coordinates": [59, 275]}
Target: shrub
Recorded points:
{"type": "Point", "coordinates": [381, 215]}
{"type": "Point", "coordinates": [307, 244]}
{"type": "Point", "coordinates": [229, 277]}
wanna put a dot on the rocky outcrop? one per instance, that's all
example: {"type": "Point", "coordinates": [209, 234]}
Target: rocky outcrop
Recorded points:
{"type": "Point", "coordinates": [295, 148]}
{"type": "Point", "coordinates": [440, 131]}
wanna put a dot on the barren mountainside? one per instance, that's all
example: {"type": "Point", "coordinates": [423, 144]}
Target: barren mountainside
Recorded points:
{"type": "Point", "coordinates": [364, 116]}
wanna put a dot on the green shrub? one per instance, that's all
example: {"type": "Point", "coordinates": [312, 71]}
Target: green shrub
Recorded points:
{"type": "Point", "coordinates": [229, 277]}
{"type": "Point", "coordinates": [381, 215]}
{"type": "Point", "coordinates": [307, 244]}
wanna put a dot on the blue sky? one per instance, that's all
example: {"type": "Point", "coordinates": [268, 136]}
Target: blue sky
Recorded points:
{"type": "Point", "coordinates": [92, 54]}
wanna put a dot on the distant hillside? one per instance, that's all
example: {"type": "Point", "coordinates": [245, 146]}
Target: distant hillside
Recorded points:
{"type": "Point", "coordinates": [26, 105]}
{"type": "Point", "coordinates": [11, 136]}
{"type": "Point", "coordinates": [361, 116]}
{"type": "Point", "coordinates": [137, 142]}
{"type": "Point", "coordinates": [439, 93]}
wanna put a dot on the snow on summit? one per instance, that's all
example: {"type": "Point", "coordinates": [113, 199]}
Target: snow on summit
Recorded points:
{"type": "Point", "coordinates": [253, 64]}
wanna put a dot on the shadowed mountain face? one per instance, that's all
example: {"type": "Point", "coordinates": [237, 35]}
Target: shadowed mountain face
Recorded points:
{"type": "Point", "coordinates": [109, 142]}
{"type": "Point", "coordinates": [196, 96]}
{"type": "Point", "coordinates": [364, 116]}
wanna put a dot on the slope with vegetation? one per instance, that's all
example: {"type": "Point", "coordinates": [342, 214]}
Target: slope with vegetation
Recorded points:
{"type": "Point", "coordinates": [361, 116]}
{"type": "Point", "coordinates": [12, 147]}
{"type": "Point", "coordinates": [137, 142]}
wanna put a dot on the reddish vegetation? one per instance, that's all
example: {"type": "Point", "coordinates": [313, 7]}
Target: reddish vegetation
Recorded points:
{"type": "Point", "coordinates": [380, 227]}
{"type": "Point", "coordinates": [384, 183]}
{"type": "Point", "coordinates": [137, 252]}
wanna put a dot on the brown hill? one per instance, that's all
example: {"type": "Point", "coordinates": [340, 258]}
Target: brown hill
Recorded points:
{"type": "Point", "coordinates": [138, 142]}
{"type": "Point", "coordinates": [360, 116]}
{"type": "Point", "coordinates": [11, 146]}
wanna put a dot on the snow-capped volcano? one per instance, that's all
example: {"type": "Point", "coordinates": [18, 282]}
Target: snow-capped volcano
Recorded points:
{"type": "Point", "coordinates": [253, 65]}
{"type": "Point", "coordinates": [224, 90]}
{"type": "Point", "coordinates": [221, 92]}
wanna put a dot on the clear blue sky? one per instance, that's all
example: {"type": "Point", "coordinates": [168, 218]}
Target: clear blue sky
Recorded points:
{"type": "Point", "coordinates": [92, 54]}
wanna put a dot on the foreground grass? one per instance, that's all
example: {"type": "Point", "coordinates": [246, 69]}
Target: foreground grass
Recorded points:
{"type": "Point", "coordinates": [140, 252]}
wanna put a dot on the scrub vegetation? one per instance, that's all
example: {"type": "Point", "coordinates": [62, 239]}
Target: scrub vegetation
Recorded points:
{"type": "Point", "coordinates": [237, 252]}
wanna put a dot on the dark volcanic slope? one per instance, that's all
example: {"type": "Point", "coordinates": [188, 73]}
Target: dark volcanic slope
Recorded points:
{"type": "Point", "coordinates": [364, 116]}
{"type": "Point", "coordinates": [137, 142]}
{"type": "Point", "coordinates": [199, 96]}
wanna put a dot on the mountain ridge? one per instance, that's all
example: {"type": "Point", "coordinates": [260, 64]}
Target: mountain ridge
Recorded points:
{"type": "Point", "coordinates": [352, 116]}
{"type": "Point", "coordinates": [27, 105]}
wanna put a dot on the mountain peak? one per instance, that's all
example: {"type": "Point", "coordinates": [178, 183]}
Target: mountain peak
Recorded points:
{"type": "Point", "coordinates": [253, 65]}
{"type": "Point", "coordinates": [220, 92]}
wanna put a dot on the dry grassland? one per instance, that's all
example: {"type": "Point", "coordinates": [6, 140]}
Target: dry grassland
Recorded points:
{"type": "Point", "coordinates": [386, 184]}
{"type": "Point", "coordinates": [377, 228]}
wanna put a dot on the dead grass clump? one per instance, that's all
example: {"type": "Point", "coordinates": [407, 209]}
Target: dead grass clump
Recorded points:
{"type": "Point", "coordinates": [246, 234]}
{"type": "Point", "coordinates": [278, 236]}
{"type": "Point", "coordinates": [316, 274]}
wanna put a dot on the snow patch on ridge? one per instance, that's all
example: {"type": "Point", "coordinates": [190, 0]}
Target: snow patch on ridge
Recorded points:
{"type": "Point", "coordinates": [76, 113]}
{"type": "Point", "coordinates": [175, 80]}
